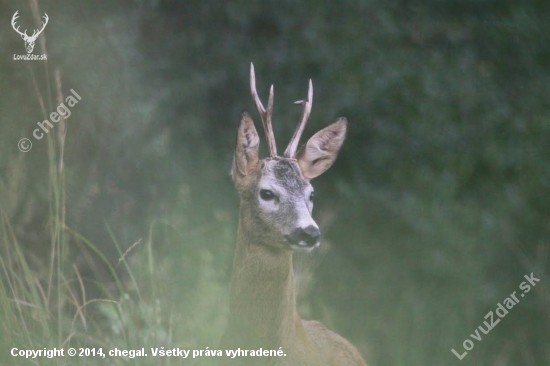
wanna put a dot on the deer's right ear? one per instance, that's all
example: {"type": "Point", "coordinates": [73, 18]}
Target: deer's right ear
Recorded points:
{"type": "Point", "coordinates": [246, 151]}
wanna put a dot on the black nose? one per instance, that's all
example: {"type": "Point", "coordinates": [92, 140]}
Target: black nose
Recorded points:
{"type": "Point", "coordinates": [304, 237]}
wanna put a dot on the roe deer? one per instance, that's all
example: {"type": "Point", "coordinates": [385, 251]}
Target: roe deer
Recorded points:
{"type": "Point", "coordinates": [274, 221]}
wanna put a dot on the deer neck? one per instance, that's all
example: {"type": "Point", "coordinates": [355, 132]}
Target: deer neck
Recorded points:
{"type": "Point", "coordinates": [263, 301]}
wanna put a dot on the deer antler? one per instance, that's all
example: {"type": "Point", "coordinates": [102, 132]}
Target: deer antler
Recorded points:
{"type": "Point", "coordinates": [44, 23]}
{"type": "Point", "coordinates": [24, 34]}
{"type": "Point", "coordinates": [13, 20]}
{"type": "Point", "coordinates": [290, 151]}
{"type": "Point", "coordinates": [265, 115]}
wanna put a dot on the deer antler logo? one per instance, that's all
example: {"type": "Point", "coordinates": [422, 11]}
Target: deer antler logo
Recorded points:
{"type": "Point", "coordinates": [29, 41]}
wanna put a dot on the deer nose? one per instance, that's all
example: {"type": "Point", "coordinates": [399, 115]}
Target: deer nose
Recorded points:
{"type": "Point", "coordinates": [304, 238]}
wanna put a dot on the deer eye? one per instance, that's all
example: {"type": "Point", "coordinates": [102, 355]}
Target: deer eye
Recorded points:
{"type": "Point", "coordinates": [311, 196]}
{"type": "Point", "coordinates": [267, 195]}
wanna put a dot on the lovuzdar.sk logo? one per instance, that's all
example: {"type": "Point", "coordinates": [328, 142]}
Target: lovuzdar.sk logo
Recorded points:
{"type": "Point", "coordinates": [29, 40]}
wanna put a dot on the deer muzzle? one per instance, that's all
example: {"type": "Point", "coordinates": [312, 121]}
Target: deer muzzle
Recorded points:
{"type": "Point", "coordinates": [304, 239]}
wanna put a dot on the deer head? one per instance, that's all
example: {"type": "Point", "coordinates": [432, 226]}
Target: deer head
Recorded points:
{"type": "Point", "coordinates": [29, 40]}
{"type": "Point", "coordinates": [276, 194]}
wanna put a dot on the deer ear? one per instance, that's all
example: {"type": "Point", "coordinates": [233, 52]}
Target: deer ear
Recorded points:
{"type": "Point", "coordinates": [246, 151]}
{"type": "Point", "coordinates": [318, 154]}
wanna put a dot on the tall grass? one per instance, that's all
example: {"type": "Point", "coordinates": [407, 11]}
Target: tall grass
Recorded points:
{"type": "Point", "coordinates": [44, 304]}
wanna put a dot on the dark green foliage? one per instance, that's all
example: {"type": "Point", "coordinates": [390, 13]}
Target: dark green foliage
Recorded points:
{"type": "Point", "coordinates": [435, 209]}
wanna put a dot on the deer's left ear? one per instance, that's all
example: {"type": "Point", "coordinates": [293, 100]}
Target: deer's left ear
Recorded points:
{"type": "Point", "coordinates": [320, 152]}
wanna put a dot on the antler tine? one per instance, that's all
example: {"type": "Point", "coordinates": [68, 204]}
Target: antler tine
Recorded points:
{"type": "Point", "coordinates": [44, 23]}
{"type": "Point", "coordinates": [290, 151]}
{"type": "Point", "coordinates": [13, 20]}
{"type": "Point", "coordinates": [265, 115]}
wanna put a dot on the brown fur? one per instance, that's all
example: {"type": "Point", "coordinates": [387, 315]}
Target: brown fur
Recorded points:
{"type": "Point", "coordinates": [262, 311]}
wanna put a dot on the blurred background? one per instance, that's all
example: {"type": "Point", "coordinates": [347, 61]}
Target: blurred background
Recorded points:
{"type": "Point", "coordinates": [118, 230]}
